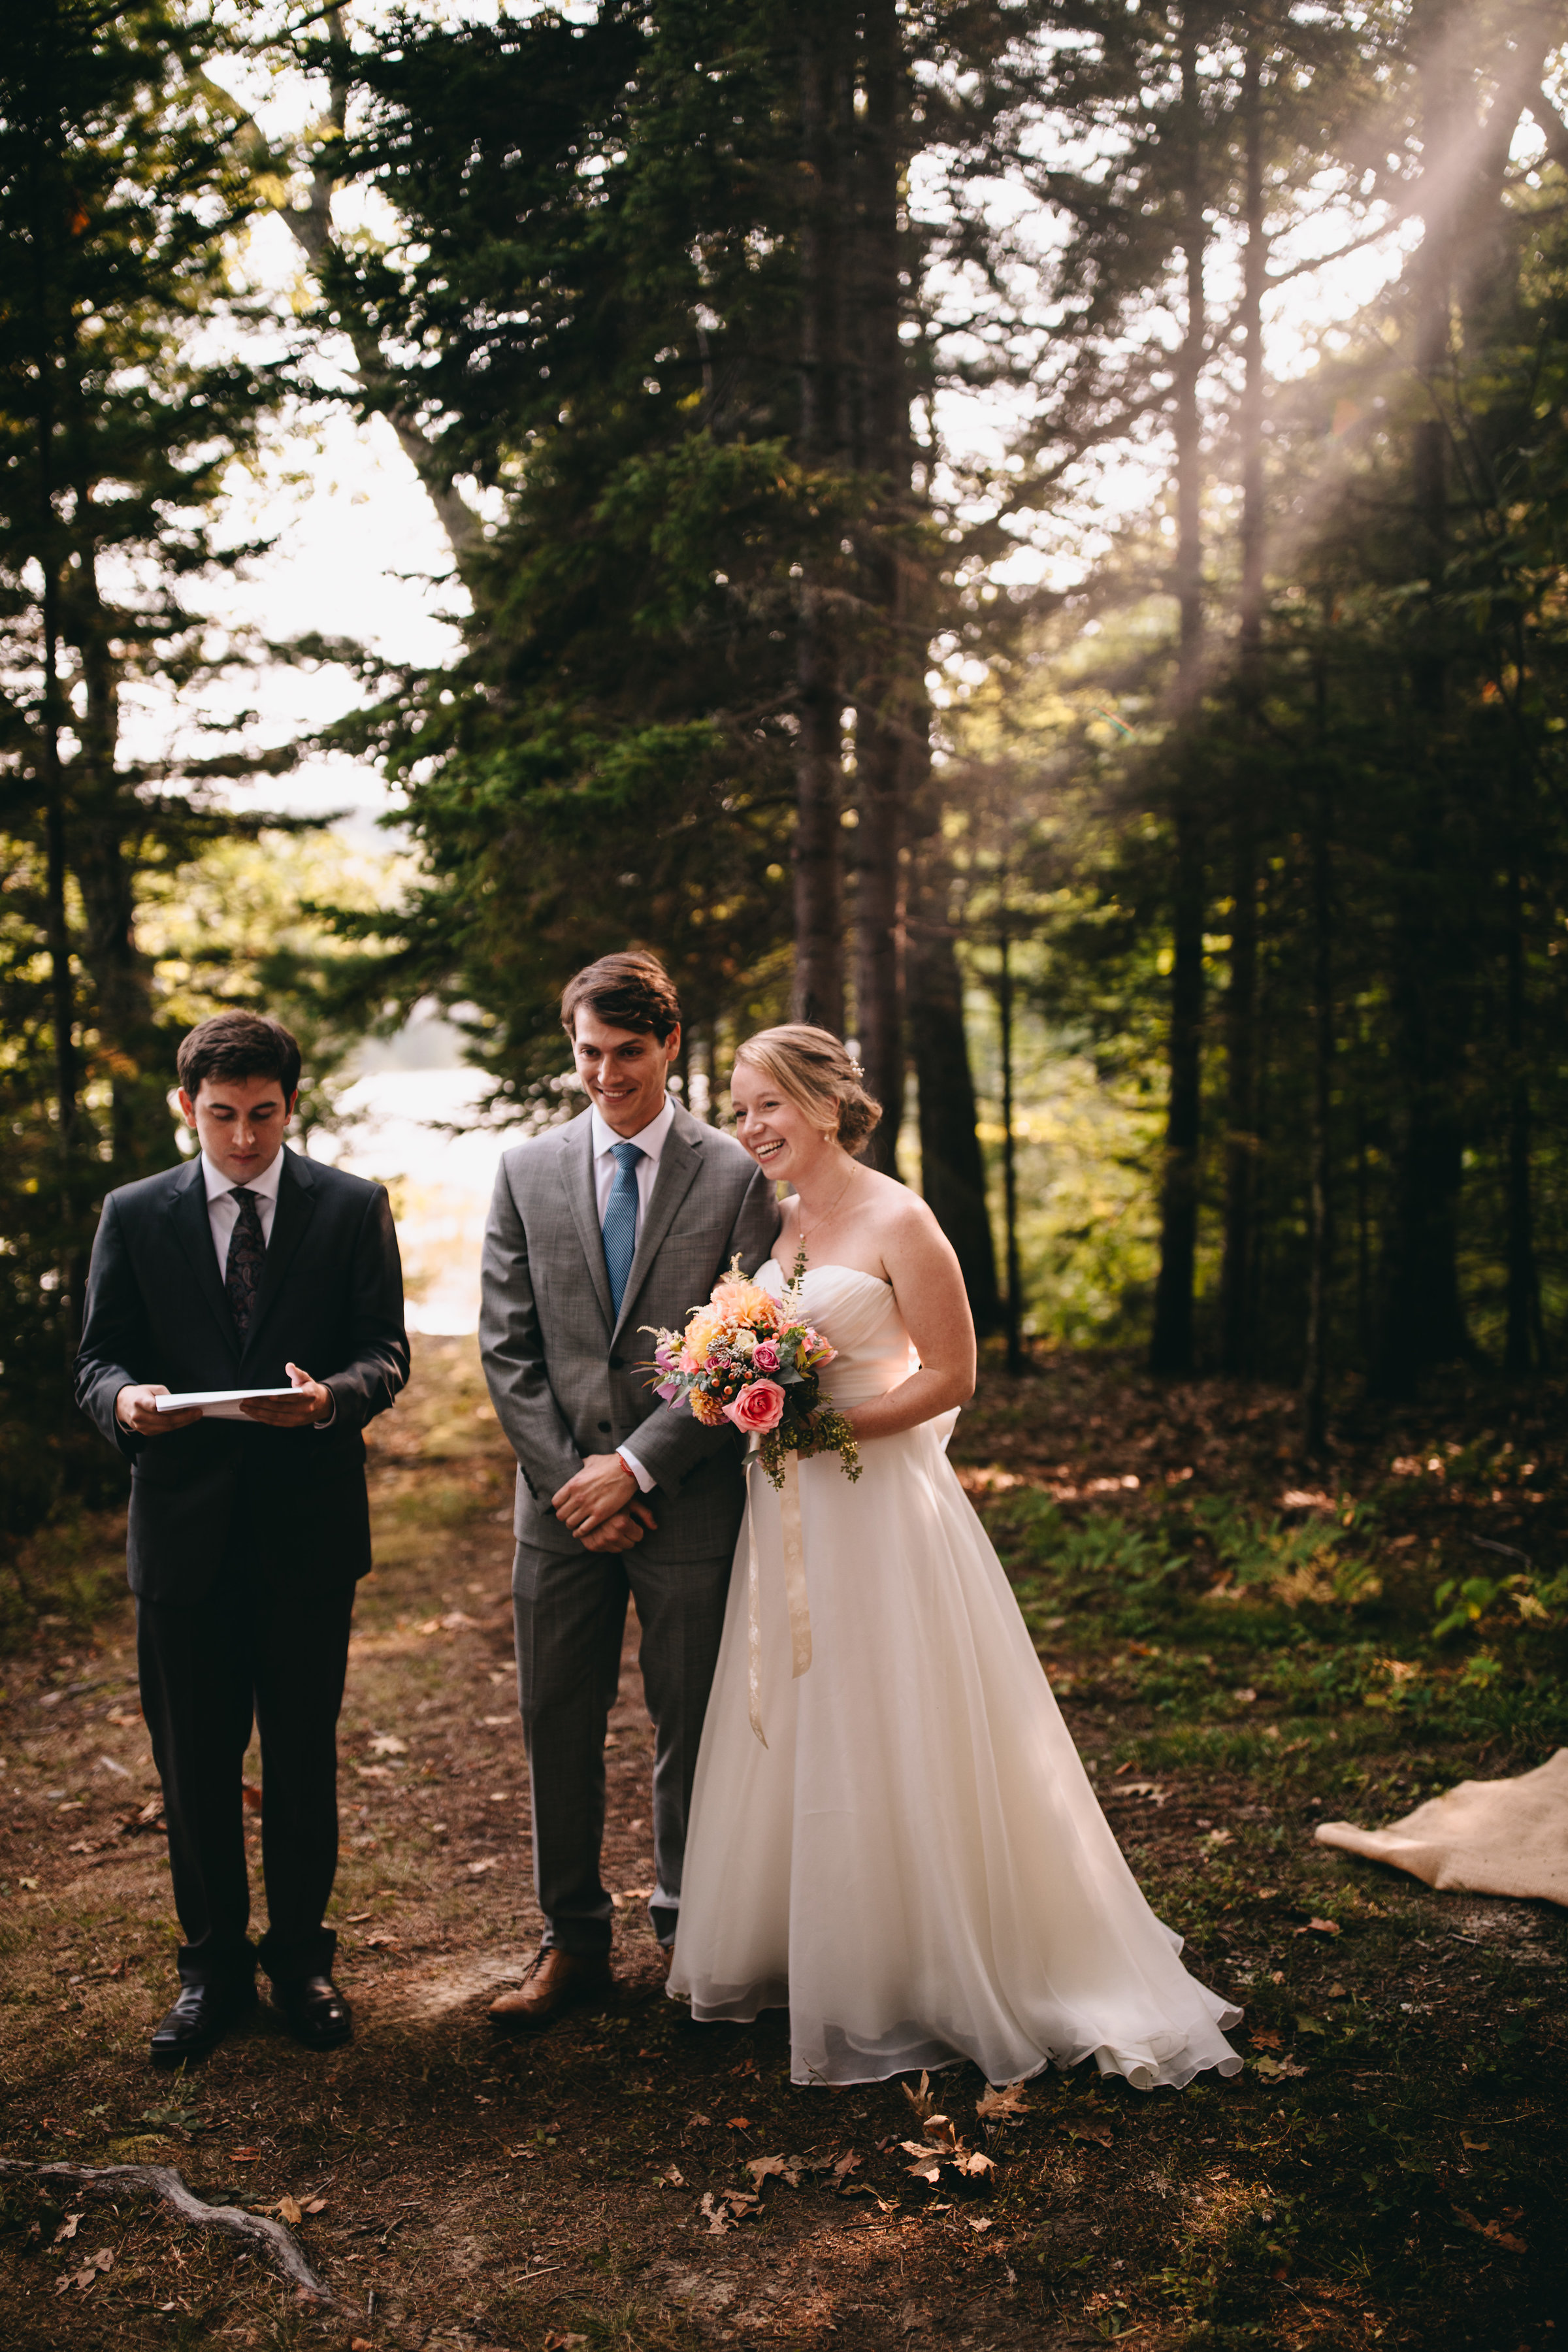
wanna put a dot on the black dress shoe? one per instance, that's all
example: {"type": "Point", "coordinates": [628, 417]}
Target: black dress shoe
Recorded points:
{"type": "Point", "coordinates": [199, 2019]}
{"type": "Point", "coordinates": [315, 2013]}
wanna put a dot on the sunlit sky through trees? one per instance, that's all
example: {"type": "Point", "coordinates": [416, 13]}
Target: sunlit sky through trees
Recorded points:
{"type": "Point", "coordinates": [357, 551]}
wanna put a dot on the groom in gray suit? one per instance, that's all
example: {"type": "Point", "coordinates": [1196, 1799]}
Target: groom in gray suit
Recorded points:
{"type": "Point", "coordinates": [626, 1217]}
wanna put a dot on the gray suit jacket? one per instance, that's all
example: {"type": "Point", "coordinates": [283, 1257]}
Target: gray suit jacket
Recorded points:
{"type": "Point", "coordinates": [562, 1367]}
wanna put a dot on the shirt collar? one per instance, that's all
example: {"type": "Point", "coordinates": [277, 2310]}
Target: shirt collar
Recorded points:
{"type": "Point", "coordinates": [649, 1139]}
{"type": "Point", "coordinates": [265, 1185]}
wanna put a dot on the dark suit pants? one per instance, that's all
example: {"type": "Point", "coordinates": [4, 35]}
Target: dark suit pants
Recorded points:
{"type": "Point", "coordinates": [570, 1613]}
{"type": "Point", "coordinates": [270, 1648]}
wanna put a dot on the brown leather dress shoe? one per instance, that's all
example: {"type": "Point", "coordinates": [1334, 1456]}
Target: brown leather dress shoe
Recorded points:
{"type": "Point", "coordinates": [557, 1980]}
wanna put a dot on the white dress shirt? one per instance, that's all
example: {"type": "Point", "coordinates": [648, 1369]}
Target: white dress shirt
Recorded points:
{"type": "Point", "coordinates": [223, 1215]}
{"type": "Point", "coordinates": [222, 1209]}
{"type": "Point", "coordinates": [650, 1141]}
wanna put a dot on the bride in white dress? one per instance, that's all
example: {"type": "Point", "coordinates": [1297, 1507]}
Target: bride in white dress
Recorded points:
{"type": "Point", "coordinates": [914, 1864]}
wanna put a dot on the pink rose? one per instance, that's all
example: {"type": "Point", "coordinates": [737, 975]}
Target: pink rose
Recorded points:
{"type": "Point", "coordinates": [758, 1407]}
{"type": "Point", "coordinates": [765, 1355]}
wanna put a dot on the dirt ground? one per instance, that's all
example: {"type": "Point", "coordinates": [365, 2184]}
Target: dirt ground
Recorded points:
{"type": "Point", "coordinates": [1387, 2169]}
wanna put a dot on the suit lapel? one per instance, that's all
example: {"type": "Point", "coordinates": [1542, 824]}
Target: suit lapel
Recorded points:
{"type": "Point", "coordinates": [577, 1176]}
{"type": "Point", "coordinates": [678, 1165]}
{"type": "Point", "coordinates": [192, 1231]}
{"type": "Point", "coordinates": [291, 1222]}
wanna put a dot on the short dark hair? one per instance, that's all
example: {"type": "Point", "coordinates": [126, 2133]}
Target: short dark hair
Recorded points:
{"type": "Point", "coordinates": [630, 992]}
{"type": "Point", "coordinates": [239, 1045]}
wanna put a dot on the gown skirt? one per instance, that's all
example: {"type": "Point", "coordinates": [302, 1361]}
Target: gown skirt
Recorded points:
{"type": "Point", "coordinates": [915, 1865]}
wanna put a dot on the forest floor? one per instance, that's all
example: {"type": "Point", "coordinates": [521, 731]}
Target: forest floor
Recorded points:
{"type": "Point", "coordinates": [1241, 1652]}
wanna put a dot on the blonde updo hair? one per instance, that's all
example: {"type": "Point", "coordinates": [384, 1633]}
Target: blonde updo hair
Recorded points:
{"type": "Point", "coordinates": [816, 1073]}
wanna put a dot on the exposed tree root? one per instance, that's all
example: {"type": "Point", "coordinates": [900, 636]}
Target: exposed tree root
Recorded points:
{"type": "Point", "coordinates": [268, 2239]}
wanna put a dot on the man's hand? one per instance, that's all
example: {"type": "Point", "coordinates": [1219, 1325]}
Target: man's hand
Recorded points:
{"type": "Point", "coordinates": [603, 1488]}
{"type": "Point", "coordinates": [621, 1530]}
{"type": "Point", "coordinates": [134, 1409]}
{"type": "Point", "coordinates": [310, 1401]}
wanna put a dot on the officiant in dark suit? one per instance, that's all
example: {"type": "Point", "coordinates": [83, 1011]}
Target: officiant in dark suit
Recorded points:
{"type": "Point", "coordinates": [250, 1267]}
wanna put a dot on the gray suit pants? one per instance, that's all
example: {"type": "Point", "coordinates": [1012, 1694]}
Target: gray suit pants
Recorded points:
{"type": "Point", "coordinates": [570, 1613]}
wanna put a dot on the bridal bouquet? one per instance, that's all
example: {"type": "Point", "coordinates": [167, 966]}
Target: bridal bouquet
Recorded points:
{"type": "Point", "coordinates": [749, 1357]}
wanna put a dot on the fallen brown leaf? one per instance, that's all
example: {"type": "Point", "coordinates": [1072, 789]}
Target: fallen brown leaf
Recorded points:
{"type": "Point", "coordinates": [1000, 2104]}
{"type": "Point", "coordinates": [730, 2205]}
{"type": "Point", "coordinates": [776, 2168]}
{"type": "Point", "coordinates": [1084, 2127]}
{"type": "Point", "coordinates": [89, 2273]}
{"type": "Point", "coordinates": [1492, 2229]}
{"type": "Point", "coordinates": [290, 2211]}
{"type": "Point", "coordinates": [921, 2100]}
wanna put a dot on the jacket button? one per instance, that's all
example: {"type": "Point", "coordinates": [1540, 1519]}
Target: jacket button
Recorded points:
{"type": "Point", "coordinates": [604, 1429]}
{"type": "Point", "coordinates": [617, 1363]}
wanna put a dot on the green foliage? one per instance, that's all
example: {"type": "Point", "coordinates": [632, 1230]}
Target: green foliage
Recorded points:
{"type": "Point", "coordinates": [121, 193]}
{"type": "Point", "coordinates": [1242, 1634]}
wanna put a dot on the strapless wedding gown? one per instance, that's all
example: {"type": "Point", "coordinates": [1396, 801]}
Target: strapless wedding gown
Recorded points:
{"type": "Point", "coordinates": [915, 1865]}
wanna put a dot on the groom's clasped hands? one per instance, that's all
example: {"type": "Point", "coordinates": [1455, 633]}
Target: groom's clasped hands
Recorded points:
{"type": "Point", "coordinates": [601, 1505]}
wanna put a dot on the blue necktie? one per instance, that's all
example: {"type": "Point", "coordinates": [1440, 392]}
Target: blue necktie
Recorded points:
{"type": "Point", "coordinates": [621, 1222]}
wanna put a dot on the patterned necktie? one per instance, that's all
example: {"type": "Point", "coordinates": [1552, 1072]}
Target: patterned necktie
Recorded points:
{"type": "Point", "coordinates": [242, 1269]}
{"type": "Point", "coordinates": [621, 1222]}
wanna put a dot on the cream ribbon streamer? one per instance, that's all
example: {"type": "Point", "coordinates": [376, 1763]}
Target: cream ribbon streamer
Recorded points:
{"type": "Point", "coordinates": [795, 1585]}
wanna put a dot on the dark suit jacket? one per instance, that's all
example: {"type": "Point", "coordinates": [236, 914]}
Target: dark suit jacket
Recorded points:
{"type": "Point", "coordinates": [330, 1299]}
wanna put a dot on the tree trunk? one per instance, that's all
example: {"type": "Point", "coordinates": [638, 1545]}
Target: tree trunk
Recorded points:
{"type": "Point", "coordinates": [1171, 1347]}
{"type": "Point", "coordinates": [819, 992]}
{"type": "Point", "coordinates": [890, 717]}
{"type": "Point", "coordinates": [1422, 1318]}
{"type": "Point", "coordinates": [1171, 1350]}
{"type": "Point", "coordinates": [952, 1166]}
{"type": "Point", "coordinates": [1314, 1370]}
{"type": "Point", "coordinates": [51, 558]}
{"type": "Point", "coordinates": [1014, 1307]}
{"type": "Point", "coordinates": [121, 976]}
{"type": "Point", "coordinates": [1236, 1350]}
{"type": "Point", "coordinates": [1521, 1346]}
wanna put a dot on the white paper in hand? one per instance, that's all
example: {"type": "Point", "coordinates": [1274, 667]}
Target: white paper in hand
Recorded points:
{"type": "Point", "coordinates": [217, 1404]}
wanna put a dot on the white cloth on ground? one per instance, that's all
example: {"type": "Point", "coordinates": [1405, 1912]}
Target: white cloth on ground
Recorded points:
{"type": "Point", "coordinates": [1490, 1837]}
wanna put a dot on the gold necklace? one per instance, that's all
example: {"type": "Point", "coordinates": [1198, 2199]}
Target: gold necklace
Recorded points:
{"type": "Point", "coordinates": [798, 1276]}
